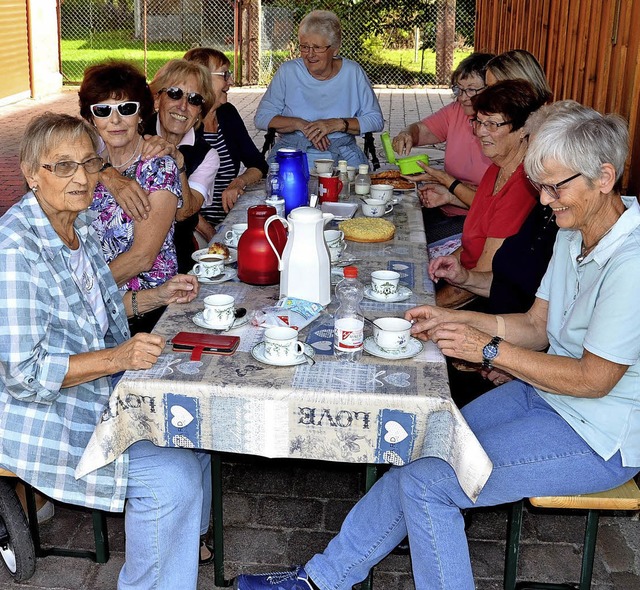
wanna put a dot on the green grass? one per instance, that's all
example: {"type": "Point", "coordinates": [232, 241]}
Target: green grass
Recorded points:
{"type": "Point", "coordinates": [384, 67]}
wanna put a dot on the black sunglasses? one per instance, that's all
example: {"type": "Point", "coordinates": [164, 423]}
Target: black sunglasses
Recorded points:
{"type": "Point", "coordinates": [126, 109]}
{"type": "Point", "coordinates": [175, 93]}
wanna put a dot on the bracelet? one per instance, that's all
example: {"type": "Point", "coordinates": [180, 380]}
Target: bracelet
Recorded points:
{"type": "Point", "coordinates": [105, 166]}
{"type": "Point", "coordinates": [134, 304]}
{"type": "Point", "coordinates": [501, 327]}
{"type": "Point", "coordinates": [346, 125]}
{"type": "Point", "coordinates": [453, 185]}
{"type": "Point", "coordinates": [182, 169]}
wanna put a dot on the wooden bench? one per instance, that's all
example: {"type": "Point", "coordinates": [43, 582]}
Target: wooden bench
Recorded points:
{"type": "Point", "coordinates": [101, 553]}
{"type": "Point", "coordinates": [624, 497]}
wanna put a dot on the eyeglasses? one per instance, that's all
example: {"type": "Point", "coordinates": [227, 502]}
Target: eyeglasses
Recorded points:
{"type": "Point", "coordinates": [490, 126]}
{"type": "Point", "coordinates": [68, 168]}
{"type": "Point", "coordinates": [316, 49]}
{"type": "Point", "coordinates": [457, 91]}
{"type": "Point", "coordinates": [126, 109]}
{"type": "Point", "coordinates": [175, 93]}
{"type": "Point", "coordinates": [226, 75]}
{"type": "Point", "coordinates": [552, 189]}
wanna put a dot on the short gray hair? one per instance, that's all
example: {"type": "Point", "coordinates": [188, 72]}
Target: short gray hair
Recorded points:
{"type": "Point", "coordinates": [324, 23]}
{"type": "Point", "coordinates": [580, 139]}
{"type": "Point", "coordinates": [47, 131]}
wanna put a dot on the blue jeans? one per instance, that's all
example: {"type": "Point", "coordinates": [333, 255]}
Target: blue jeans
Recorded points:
{"type": "Point", "coordinates": [164, 517]}
{"type": "Point", "coordinates": [534, 452]}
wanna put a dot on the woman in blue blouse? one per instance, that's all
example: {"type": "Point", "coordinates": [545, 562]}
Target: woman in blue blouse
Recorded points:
{"type": "Point", "coordinates": [319, 102]}
{"type": "Point", "coordinates": [63, 333]}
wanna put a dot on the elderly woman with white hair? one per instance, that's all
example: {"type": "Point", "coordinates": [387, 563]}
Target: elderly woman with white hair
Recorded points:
{"type": "Point", "coordinates": [319, 102]}
{"type": "Point", "coordinates": [572, 409]}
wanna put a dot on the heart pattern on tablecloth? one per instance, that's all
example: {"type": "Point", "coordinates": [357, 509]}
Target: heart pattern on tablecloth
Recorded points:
{"type": "Point", "coordinates": [322, 345]}
{"type": "Point", "coordinates": [190, 367]}
{"type": "Point", "coordinates": [398, 379]}
{"type": "Point", "coordinates": [394, 432]}
{"type": "Point", "coordinates": [180, 417]}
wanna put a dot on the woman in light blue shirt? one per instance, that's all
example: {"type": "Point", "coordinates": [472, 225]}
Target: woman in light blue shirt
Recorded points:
{"type": "Point", "coordinates": [319, 102]}
{"type": "Point", "coordinates": [569, 423]}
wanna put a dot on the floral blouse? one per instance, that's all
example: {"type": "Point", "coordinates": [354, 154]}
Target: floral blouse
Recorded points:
{"type": "Point", "coordinates": [115, 227]}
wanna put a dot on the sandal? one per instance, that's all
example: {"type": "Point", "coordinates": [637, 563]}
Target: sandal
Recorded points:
{"type": "Point", "coordinates": [206, 553]}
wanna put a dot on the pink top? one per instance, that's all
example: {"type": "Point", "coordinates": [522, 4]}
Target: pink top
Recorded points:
{"type": "Point", "coordinates": [463, 157]}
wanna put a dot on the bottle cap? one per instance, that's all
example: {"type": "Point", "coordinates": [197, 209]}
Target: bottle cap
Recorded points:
{"type": "Point", "coordinates": [363, 169]}
{"type": "Point", "coordinates": [342, 165]}
{"type": "Point", "coordinates": [350, 272]}
{"type": "Point", "coordinates": [274, 166]}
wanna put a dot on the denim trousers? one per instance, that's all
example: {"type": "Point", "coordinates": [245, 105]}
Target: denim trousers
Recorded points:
{"type": "Point", "coordinates": [534, 453]}
{"type": "Point", "coordinates": [166, 511]}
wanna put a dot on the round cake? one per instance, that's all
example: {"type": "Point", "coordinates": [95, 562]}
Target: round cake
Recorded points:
{"type": "Point", "coordinates": [367, 229]}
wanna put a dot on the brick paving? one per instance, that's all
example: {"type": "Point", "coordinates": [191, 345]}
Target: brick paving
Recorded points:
{"type": "Point", "coordinates": [279, 512]}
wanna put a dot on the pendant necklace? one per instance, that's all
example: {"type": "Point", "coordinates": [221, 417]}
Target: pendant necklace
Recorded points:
{"type": "Point", "coordinates": [585, 251]}
{"type": "Point", "coordinates": [133, 155]}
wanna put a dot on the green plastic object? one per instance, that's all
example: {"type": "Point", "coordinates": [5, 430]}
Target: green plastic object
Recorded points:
{"type": "Point", "coordinates": [407, 164]}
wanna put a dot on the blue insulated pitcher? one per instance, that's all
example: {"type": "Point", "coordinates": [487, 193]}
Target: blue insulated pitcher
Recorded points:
{"type": "Point", "coordinates": [294, 178]}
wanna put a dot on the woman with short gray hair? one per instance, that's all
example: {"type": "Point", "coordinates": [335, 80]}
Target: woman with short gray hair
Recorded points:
{"type": "Point", "coordinates": [567, 425]}
{"type": "Point", "coordinates": [319, 102]}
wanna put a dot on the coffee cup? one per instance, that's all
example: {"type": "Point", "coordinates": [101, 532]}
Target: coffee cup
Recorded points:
{"type": "Point", "coordinates": [219, 311]}
{"type": "Point", "coordinates": [232, 237]}
{"type": "Point", "coordinates": [334, 239]}
{"type": "Point", "coordinates": [351, 173]}
{"type": "Point", "coordinates": [376, 208]}
{"type": "Point", "coordinates": [324, 165]}
{"type": "Point", "coordinates": [329, 188]}
{"type": "Point", "coordinates": [282, 344]}
{"type": "Point", "coordinates": [381, 191]}
{"type": "Point", "coordinates": [392, 333]}
{"type": "Point", "coordinates": [209, 266]}
{"type": "Point", "coordinates": [384, 283]}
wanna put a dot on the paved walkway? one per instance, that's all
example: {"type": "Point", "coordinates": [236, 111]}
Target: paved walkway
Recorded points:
{"type": "Point", "coordinates": [278, 512]}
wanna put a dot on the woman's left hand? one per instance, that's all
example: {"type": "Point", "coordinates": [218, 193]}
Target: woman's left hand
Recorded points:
{"type": "Point", "coordinates": [434, 195]}
{"type": "Point", "coordinates": [316, 132]}
{"type": "Point", "coordinates": [178, 289]}
{"type": "Point", "coordinates": [460, 341]}
{"type": "Point", "coordinates": [155, 146]}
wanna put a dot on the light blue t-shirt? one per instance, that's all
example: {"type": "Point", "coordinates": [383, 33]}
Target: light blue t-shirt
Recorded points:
{"type": "Point", "coordinates": [595, 305]}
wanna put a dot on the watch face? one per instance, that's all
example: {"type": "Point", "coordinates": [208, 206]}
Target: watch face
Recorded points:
{"type": "Point", "coordinates": [490, 351]}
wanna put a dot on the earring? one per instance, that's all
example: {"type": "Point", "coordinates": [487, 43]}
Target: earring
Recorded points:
{"type": "Point", "coordinates": [34, 189]}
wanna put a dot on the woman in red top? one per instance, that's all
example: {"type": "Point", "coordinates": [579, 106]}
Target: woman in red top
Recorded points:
{"type": "Point", "coordinates": [505, 197]}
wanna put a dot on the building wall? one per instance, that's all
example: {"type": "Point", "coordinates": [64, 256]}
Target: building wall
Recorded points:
{"type": "Point", "coordinates": [14, 51]}
{"type": "Point", "coordinates": [590, 51]}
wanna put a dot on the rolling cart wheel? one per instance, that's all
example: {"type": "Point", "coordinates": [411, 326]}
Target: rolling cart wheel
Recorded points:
{"type": "Point", "coordinates": [16, 545]}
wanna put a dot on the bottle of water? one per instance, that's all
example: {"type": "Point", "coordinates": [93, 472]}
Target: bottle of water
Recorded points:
{"type": "Point", "coordinates": [362, 183]}
{"type": "Point", "coordinates": [348, 323]}
{"type": "Point", "coordinates": [344, 179]}
{"type": "Point", "coordinates": [272, 182]}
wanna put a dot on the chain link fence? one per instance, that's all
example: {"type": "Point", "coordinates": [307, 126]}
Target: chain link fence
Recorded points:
{"type": "Point", "coordinates": [398, 42]}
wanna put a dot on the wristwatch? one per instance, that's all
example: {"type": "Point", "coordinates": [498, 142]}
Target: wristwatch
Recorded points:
{"type": "Point", "coordinates": [490, 352]}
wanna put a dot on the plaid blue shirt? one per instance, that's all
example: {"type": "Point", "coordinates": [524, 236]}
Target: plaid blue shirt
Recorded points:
{"type": "Point", "coordinates": [44, 319]}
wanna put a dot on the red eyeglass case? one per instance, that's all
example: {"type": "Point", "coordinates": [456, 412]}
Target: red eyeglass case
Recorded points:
{"type": "Point", "coordinates": [199, 344]}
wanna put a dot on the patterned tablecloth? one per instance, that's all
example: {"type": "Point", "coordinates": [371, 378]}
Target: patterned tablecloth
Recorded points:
{"type": "Point", "coordinates": [373, 411]}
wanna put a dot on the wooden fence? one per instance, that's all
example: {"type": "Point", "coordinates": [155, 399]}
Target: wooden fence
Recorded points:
{"type": "Point", "coordinates": [589, 49]}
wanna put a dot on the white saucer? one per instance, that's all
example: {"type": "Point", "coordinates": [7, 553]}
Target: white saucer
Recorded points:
{"type": "Point", "coordinates": [257, 352]}
{"type": "Point", "coordinates": [402, 294]}
{"type": "Point", "coordinates": [413, 347]}
{"type": "Point", "coordinates": [233, 255]}
{"type": "Point", "coordinates": [199, 320]}
{"type": "Point", "coordinates": [227, 275]}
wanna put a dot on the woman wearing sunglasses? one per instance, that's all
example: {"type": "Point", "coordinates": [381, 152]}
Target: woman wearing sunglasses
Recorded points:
{"type": "Point", "coordinates": [225, 131]}
{"type": "Point", "coordinates": [319, 102]}
{"type": "Point", "coordinates": [115, 99]}
{"type": "Point", "coordinates": [183, 96]}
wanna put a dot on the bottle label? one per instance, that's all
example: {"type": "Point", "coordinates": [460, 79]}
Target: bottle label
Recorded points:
{"type": "Point", "coordinates": [362, 189]}
{"type": "Point", "coordinates": [348, 334]}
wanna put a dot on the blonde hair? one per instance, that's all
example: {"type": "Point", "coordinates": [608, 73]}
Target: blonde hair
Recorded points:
{"type": "Point", "coordinates": [520, 64]}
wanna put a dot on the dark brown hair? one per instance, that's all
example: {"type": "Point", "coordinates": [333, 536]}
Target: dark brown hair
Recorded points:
{"type": "Point", "coordinates": [515, 100]}
{"type": "Point", "coordinates": [118, 80]}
